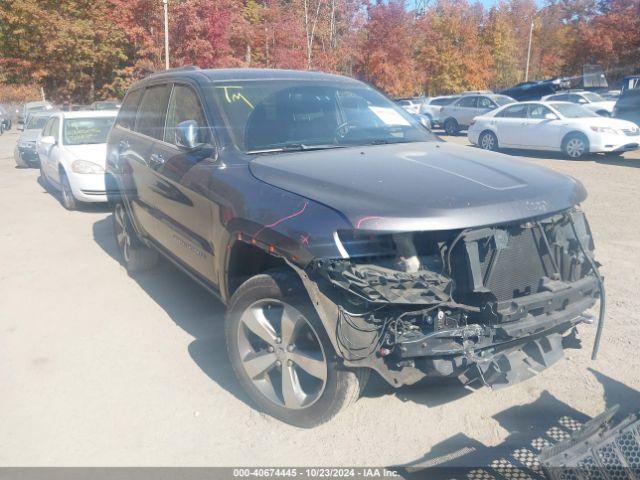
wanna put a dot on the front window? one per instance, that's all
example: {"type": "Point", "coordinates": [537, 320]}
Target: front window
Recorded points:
{"type": "Point", "coordinates": [273, 116]}
{"type": "Point", "coordinates": [83, 131]}
{"type": "Point", "coordinates": [571, 110]}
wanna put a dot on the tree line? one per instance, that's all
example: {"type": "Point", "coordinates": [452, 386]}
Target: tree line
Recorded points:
{"type": "Point", "coordinates": [82, 50]}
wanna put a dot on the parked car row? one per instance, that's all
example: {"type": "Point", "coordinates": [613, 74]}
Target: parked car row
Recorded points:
{"type": "Point", "coordinates": [343, 236]}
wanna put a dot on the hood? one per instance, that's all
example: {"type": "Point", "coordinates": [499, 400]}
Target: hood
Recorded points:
{"type": "Point", "coordinates": [96, 153]}
{"type": "Point", "coordinates": [420, 186]}
{"type": "Point", "coordinates": [29, 135]}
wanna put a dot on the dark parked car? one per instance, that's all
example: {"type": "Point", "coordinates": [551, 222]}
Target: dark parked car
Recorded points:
{"type": "Point", "coordinates": [344, 238]}
{"type": "Point", "coordinates": [5, 120]}
{"type": "Point", "coordinates": [628, 106]}
{"type": "Point", "coordinates": [535, 90]}
{"type": "Point", "coordinates": [32, 107]}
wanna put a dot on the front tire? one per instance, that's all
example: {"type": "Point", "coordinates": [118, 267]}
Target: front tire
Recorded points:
{"type": "Point", "coordinates": [282, 356]}
{"type": "Point", "coordinates": [68, 199]}
{"type": "Point", "coordinates": [136, 256]}
{"type": "Point", "coordinates": [575, 146]}
{"type": "Point", "coordinates": [488, 141]}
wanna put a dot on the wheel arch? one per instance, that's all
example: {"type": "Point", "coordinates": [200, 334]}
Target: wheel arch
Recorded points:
{"type": "Point", "coordinates": [245, 260]}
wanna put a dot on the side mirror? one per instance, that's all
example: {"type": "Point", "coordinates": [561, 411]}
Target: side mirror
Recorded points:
{"type": "Point", "coordinates": [49, 140]}
{"type": "Point", "coordinates": [187, 134]}
{"type": "Point", "coordinates": [550, 116]}
{"type": "Point", "coordinates": [582, 101]}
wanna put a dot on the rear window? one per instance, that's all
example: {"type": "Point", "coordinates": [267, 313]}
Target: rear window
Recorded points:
{"type": "Point", "coordinates": [127, 114]}
{"type": "Point", "coordinates": [503, 100]}
{"type": "Point", "coordinates": [85, 131]}
{"type": "Point", "coordinates": [572, 110]}
{"type": "Point", "coordinates": [443, 101]}
{"type": "Point", "coordinates": [151, 114]}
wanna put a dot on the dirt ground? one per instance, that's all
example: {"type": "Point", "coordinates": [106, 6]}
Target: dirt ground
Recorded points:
{"type": "Point", "coordinates": [98, 368]}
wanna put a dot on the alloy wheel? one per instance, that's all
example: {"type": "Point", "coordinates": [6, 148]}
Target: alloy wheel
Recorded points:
{"type": "Point", "coordinates": [122, 231]}
{"type": "Point", "coordinates": [575, 147]}
{"type": "Point", "coordinates": [282, 354]}
{"type": "Point", "coordinates": [487, 142]}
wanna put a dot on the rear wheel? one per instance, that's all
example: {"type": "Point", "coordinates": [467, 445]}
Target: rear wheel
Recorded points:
{"type": "Point", "coordinates": [575, 145]}
{"type": "Point", "coordinates": [136, 256]}
{"type": "Point", "coordinates": [451, 126]}
{"type": "Point", "coordinates": [488, 141]}
{"type": "Point", "coordinates": [68, 199]}
{"type": "Point", "coordinates": [282, 355]}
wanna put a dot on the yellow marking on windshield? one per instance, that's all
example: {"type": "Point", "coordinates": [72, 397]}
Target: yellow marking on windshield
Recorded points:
{"type": "Point", "coordinates": [232, 97]}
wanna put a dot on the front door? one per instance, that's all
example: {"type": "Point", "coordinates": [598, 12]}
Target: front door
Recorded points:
{"type": "Point", "coordinates": [184, 214]}
{"type": "Point", "coordinates": [541, 129]}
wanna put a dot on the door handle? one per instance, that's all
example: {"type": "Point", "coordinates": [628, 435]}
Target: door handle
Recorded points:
{"type": "Point", "coordinates": [156, 160]}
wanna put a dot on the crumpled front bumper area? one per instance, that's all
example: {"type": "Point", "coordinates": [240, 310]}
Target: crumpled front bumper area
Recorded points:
{"type": "Point", "coordinates": [492, 306]}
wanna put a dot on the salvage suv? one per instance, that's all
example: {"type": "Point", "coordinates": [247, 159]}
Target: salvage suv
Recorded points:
{"type": "Point", "coordinates": [345, 238]}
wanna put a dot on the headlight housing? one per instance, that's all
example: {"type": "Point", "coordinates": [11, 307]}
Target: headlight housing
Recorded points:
{"type": "Point", "coordinates": [84, 166]}
{"type": "Point", "coordinates": [605, 130]}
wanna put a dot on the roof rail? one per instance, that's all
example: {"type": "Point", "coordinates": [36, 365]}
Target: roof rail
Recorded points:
{"type": "Point", "coordinates": [184, 68]}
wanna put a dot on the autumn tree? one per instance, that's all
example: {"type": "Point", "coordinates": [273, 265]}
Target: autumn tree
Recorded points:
{"type": "Point", "coordinates": [385, 56]}
{"type": "Point", "coordinates": [65, 46]}
{"type": "Point", "coordinates": [451, 49]}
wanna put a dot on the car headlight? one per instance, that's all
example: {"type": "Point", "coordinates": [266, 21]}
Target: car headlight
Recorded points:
{"type": "Point", "coordinates": [605, 130]}
{"type": "Point", "coordinates": [84, 166]}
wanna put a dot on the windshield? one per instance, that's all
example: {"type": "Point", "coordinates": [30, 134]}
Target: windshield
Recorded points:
{"type": "Point", "coordinates": [82, 131]}
{"type": "Point", "coordinates": [572, 110]}
{"type": "Point", "coordinates": [593, 97]}
{"type": "Point", "coordinates": [503, 100]}
{"type": "Point", "coordinates": [36, 122]}
{"type": "Point", "coordinates": [275, 115]}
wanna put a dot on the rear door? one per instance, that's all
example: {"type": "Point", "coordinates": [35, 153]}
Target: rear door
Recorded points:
{"type": "Point", "coordinates": [510, 124]}
{"type": "Point", "coordinates": [184, 215]}
{"type": "Point", "coordinates": [136, 148]}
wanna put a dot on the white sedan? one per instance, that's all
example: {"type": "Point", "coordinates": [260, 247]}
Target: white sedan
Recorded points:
{"type": "Point", "coordinates": [72, 150]}
{"type": "Point", "coordinates": [555, 126]}
{"type": "Point", "coordinates": [589, 100]}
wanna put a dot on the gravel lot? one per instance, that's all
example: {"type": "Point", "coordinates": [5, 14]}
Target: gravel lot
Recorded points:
{"type": "Point", "coordinates": [98, 368]}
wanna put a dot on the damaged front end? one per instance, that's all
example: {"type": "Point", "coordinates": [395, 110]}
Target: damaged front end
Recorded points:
{"type": "Point", "coordinates": [491, 305]}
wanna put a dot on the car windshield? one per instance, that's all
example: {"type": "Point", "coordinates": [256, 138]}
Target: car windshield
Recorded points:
{"type": "Point", "coordinates": [82, 131]}
{"type": "Point", "coordinates": [593, 97]}
{"type": "Point", "coordinates": [106, 105]}
{"type": "Point", "coordinates": [572, 110]}
{"type": "Point", "coordinates": [271, 116]}
{"type": "Point", "coordinates": [503, 100]}
{"type": "Point", "coordinates": [36, 122]}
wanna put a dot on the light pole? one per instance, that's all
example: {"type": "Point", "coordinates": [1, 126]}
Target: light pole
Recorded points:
{"type": "Point", "coordinates": [166, 33]}
{"type": "Point", "coordinates": [526, 73]}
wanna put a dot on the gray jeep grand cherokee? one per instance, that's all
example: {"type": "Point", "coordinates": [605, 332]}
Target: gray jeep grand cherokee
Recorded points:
{"type": "Point", "coordinates": [345, 238]}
